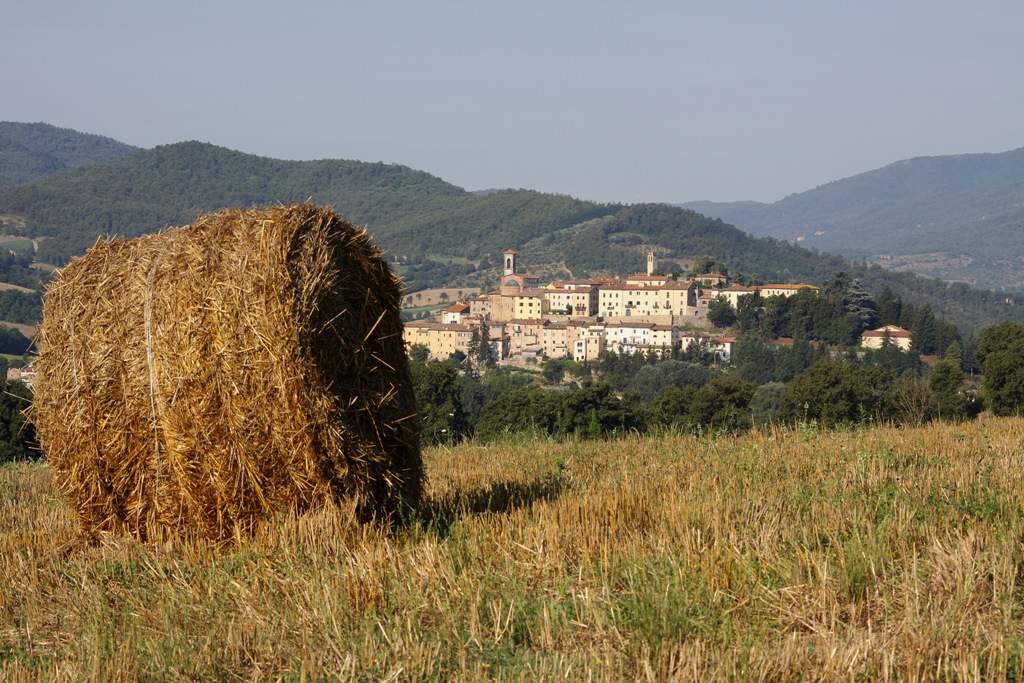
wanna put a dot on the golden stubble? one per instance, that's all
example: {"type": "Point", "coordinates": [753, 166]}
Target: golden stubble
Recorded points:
{"type": "Point", "coordinates": [875, 554]}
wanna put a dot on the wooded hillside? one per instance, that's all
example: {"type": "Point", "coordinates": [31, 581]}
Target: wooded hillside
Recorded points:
{"type": "Point", "coordinates": [31, 150]}
{"type": "Point", "coordinates": [955, 217]}
{"type": "Point", "coordinates": [439, 232]}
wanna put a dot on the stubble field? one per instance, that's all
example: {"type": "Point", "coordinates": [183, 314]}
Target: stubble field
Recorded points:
{"type": "Point", "coordinates": [875, 554]}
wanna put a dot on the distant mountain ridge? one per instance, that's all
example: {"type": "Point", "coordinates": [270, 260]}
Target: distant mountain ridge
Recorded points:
{"type": "Point", "coordinates": [172, 184]}
{"type": "Point", "coordinates": [438, 232]}
{"type": "Point", "coordinates": [33, 150]}
{"type": "Point", "coordinates": [955, 217]}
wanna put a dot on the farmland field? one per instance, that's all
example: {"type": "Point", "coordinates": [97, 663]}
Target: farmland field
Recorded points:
{"type": "Point", "coordinates": [874, 554]}
{"type": "Point", "coordinates": [19, 245]}
{"type": "Point", "coordinates": [433, 296]}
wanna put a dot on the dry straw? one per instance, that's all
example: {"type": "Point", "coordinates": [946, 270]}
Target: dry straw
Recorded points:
{"type": "Point", "coordinates": [213, 375]}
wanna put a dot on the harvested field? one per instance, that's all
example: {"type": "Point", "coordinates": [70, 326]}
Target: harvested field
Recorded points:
{"type": "Point", "coordinates": [870, 555]}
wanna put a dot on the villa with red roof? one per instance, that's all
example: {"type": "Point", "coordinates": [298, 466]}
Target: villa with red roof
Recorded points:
{"type": "Point", "coordinates": [875, 339]}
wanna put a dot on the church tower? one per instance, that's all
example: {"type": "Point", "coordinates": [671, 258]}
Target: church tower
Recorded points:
{"type": "Point", "coordinates": [510, 262]}
{"type": "Point", "coordinates": [650, 263]}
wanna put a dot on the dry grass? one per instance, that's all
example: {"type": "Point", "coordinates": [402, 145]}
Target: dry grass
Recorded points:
{"type": "Point", "coordinates": [432, 297]}
{"type": "Point", "coordinates": [27, 330]}
{"type": "Point", "coordinates": [881, 554]}
{"type": "Point", "coordinates": [18, 288]}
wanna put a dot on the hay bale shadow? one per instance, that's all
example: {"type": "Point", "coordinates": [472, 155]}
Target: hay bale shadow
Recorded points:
{"type": "Point", "coordinates": [439, 515]}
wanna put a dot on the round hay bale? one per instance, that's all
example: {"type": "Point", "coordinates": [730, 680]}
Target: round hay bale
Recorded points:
{"type": "Point", "coordinates": [212, 375]}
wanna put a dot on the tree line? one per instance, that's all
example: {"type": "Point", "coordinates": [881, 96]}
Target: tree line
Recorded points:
{"type": "Point", "coordinates": [618, 394]}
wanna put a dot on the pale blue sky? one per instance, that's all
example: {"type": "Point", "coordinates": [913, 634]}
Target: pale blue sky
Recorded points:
{"type": "Point", "coordinates": [609, 101]}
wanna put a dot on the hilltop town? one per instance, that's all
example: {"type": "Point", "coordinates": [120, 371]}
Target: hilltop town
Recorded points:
{"type": "Point", "coordinates": [581, 319]}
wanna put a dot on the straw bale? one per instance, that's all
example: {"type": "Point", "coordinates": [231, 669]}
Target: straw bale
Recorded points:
{"type": "Point", "coordinates": [212, 375]}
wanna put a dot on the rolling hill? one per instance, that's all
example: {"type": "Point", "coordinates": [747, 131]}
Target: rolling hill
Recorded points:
{"type": "Point", "coordinates": [953, 217]}
{"type": "Point", "coordinates": [31, 150]}
{"type": "Point", "coordinates": [440, 233]}
{"type": "Point", "coordinates": [414, 214]}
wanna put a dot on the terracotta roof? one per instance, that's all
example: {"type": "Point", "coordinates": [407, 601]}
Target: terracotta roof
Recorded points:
{"type": "Point", "coordinates": [562, 287]}
{"type": "Point", "coordinates": [892, 331]}
{"type": "Point", "coordinates": [678, 284]}
{"type": "Point", "coordinates": [643, 277]}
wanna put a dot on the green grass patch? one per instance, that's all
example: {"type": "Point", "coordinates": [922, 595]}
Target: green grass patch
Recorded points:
{"type": "Point", "coordinates": [19, 245]}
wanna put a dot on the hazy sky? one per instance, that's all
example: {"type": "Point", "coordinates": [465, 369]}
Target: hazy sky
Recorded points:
{"type": "Point", "coordinates": [610, 101]}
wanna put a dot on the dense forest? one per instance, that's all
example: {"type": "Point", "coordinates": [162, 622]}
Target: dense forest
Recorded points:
{"type": "Point", "coordinates": [31, 150]}
{"type": "Point", "coordinates": [408, 211]}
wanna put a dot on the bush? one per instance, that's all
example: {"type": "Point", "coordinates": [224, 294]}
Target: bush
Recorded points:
{"type": "Point", "coordinates": [17, 434]}
{"type": "Point", "coordinates": [764, 406]}
{"type": "Point", "coordinates": [1001, 354]}
{"type": "Point", "coordinates": [838, 392]}
{"type": "Point", "coordinates": [721, 405]}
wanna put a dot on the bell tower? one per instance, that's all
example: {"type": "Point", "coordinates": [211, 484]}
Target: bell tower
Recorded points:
{"type": "Point", "coordinates": [650, 263]}
{"type": "Point", "coordinates": [510, 262]}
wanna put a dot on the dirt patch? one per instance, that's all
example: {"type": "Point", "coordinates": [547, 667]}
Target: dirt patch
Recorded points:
{"type": "Point", "coordinates": [27, 330]}
{"type": "Point", "coordinates": [427, 297]}
{"type": "Point", "coordinates": [5, 286]}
